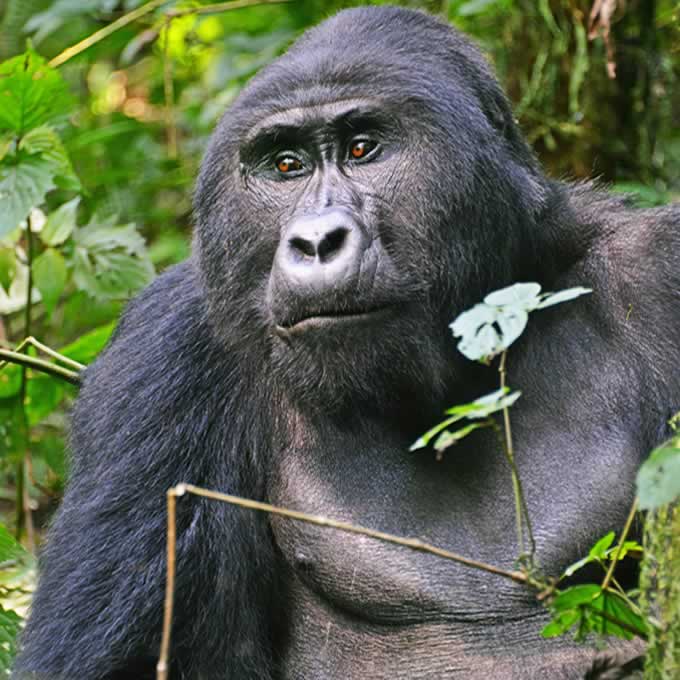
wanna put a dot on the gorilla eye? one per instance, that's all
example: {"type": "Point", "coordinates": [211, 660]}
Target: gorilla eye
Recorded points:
{"type": "Point", "coordinates": [362, 148]}
{"type": "Point", "coordinates": [287, 164]}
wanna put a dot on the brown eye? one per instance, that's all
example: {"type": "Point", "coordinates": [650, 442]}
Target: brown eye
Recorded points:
{"type": "Point", "coordinates": [360, 148]}
{"type": "Point", "coordinates": [286, 164]}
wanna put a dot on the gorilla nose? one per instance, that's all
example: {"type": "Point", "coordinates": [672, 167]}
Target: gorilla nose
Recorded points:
{"type": "Point", "coordinates": [322, 251]}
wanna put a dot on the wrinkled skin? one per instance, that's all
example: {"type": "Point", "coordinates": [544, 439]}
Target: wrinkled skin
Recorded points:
{"type": "Point", "coordinates": [363, 190]}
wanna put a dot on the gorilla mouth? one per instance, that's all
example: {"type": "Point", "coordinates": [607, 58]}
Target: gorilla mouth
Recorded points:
{"type": "Point", "coordinates": [330, 318]}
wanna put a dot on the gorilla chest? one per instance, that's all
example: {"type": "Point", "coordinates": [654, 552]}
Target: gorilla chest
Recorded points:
{"type": "Point", "coordinates": [387, 489]}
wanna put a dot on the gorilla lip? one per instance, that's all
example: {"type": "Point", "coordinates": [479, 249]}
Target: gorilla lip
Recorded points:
{"type": "Point", "coordinates": [327, 318]}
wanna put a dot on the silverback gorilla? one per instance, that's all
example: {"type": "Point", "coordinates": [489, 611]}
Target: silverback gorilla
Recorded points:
{"type": "Point", "coordinates": [362, 191]}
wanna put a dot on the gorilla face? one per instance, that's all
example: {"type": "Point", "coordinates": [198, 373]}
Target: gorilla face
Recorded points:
{"type": "Point", "coordinates": [347, 199]}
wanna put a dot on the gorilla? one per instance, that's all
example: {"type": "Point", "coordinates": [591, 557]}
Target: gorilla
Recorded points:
{"type": "Point", "coordinates": [362, 191]}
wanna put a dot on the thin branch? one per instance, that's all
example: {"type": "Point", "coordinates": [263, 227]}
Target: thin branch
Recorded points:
{"type": "Point", "coordinates": [162, 667]}
{"type": "Point", "coordinates": [40, 365]}
{"type": "Point", "coordinates": [619, 547]}
{"type": "Point", "coordinates": [521, 508]}
{"type": "Point", "coordinates": [105, 32]}
{"type": "Point", "coordinates": [221, 7]}
{"type": "Point", "coordinates": [24, 515]}
{"type": "Point", "coordinates": [138, 13]}
{"type": "Point", "coordinates": [33, 342]}
{"type": "Point", "coordinates": [319, 520]}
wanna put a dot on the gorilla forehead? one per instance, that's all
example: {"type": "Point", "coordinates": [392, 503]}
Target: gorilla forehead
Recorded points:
{"type": "Point", "coordinates": [400, 54]}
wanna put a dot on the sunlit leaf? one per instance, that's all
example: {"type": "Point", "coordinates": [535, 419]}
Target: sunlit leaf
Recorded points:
{"type": "Point", "coordinates": [31, 93]}
{"type": "Point", "coordinates": [600, 548]}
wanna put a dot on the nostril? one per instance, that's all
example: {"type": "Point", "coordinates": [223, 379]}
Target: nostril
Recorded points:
{"type": "Point", "coordinates": [303, 246]}
{"type": "Point", "coordinates": [332, 243]}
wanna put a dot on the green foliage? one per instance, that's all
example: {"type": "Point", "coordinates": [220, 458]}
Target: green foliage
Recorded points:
{"type": "Point", "coordinates": [14, 563]}
{"type": "Point", "coordinates": [478, 409]}
{"type": "Point", "coordinates": [660, 587]}
{"type": "Point", "coordinates": [589, 609]}
{"type": "Point", "coordinates": [32, 94]}
{"type": "Point", "coordinates": [69, 164]}
{"type": "Point", "coordinates": [658, 480]}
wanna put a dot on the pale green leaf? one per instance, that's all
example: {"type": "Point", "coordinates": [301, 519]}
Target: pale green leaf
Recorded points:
{"type": "Point", "coordinates": [50, 276]}
{"type": "Point", "coordinates": [658, 480]}
{"type": "Point", "coordinates": [60, 224]}
{"type": "Point", "coordinates": [520, 295]}
{"type": "Point", "coordinates": [23, 186]}
{"type": "Point", "coordinates": [46, 142]}
{"type": "Point", "coordinates": [550, 299]}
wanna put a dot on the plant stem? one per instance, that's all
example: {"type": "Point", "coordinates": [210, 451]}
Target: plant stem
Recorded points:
{"type": "Point", "coordinates": [8, 356]}
{"type": "Point", "coordinates": [105, 32]}
{"type": "Point", "coordinates": [319, 520]}
{"type": "Point", "coordinates": [615, 559]}
{"type": "Point", "coordinates": [23, 505]}
{"type": "Point", "coordinates": [521, 509]}
{"type": "Point", "coordinates": [30, 340]}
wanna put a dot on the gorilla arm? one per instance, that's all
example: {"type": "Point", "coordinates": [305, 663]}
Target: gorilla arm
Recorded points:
{"type": "Point", "coordinates": [152, 413]}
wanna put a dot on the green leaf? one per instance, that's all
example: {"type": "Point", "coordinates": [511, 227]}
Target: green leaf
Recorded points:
{"type": "Point", "coordinates": [10, 380]}
{"type": "Point", "coordinates": [86, 348]}
{"type": "Point", "coordinates": [8, 267]}
{"type": "Point", "coordinates": [60, 224]}
{"type": "Point", "coordinates": [488, 404]}
{"type": "Point", "coordinates": [31, 93]}
{"type": "Point", "coordinates": [585, 603]}
{"type": "Point", "coordinates": [575, 596]}
{"type": "Point", "coordinates": [658, 481]}
{"type": "Point", "coordinates": [43, 395]}
{"type": "Point", "coordinates": [49, 276]}
{"type": "Point", "coordinates": [598, 551]}
{"type": "Point", "coordinates": [561, 623]}
{"type": "Point", "coordinates": [10, 549]}
{"type": "Point", "coordinates": [23, 185]}
{"type": "Point", "coordinates": [110, 262]}
{"type": "Point", "coordinates": [44, 141]}
{"type": "Point", "coordinates": [10, 625]}
{"type": "Point", "coordinates": [448, 438]}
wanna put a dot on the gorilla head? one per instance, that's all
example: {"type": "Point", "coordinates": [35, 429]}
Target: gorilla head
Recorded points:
{"type": "Point", "coordinates": [363, 189]}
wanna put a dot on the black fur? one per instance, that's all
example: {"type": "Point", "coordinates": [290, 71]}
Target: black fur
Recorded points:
{"type": "Point", "coordinates": [207, 380]}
